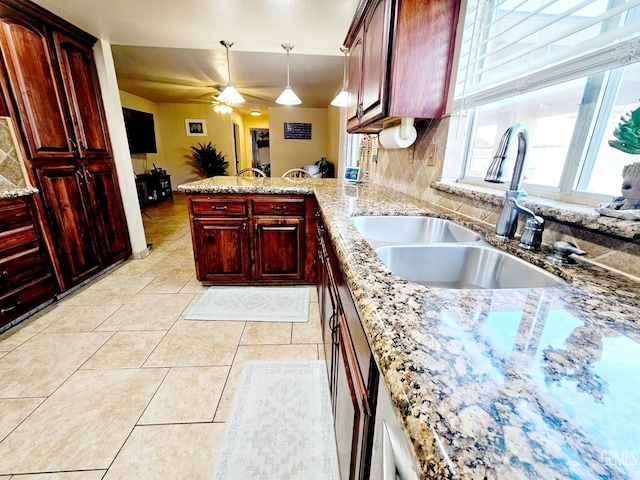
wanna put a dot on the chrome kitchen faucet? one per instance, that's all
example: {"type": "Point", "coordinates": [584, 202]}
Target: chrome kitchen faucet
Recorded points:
{"type": "Point", "coordinates": [508, 222]}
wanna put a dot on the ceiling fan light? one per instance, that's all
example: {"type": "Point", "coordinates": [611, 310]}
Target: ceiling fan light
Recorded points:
{"type": "Point", "coordinates": [230, 95]}
{"type": "Point", "coordinates": [222, 109]}
{"type": "Point", "coordinates": [341, 100]}
{"type": "Point", "coordinates": [288, 97]}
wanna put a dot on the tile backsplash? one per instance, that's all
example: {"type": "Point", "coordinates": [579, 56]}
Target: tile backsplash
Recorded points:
{"type": "Point", "coordinates": [11, 167]}
{"type": "Point", "coordinates": [408, 171]}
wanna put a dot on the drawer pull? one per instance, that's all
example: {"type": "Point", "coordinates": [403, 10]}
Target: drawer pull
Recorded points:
{"type": "Point", "coordinates": [4, 273]}
{"type": "Point", "coordinates": [219, 207]}
{"type": "Point", "coordinates": [277, 207]}
{"type": "Point", "coordinates": [8, 309]}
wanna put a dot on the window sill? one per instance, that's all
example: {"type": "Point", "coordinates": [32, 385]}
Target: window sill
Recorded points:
{"type": "Point", "coordinates": [561, 212]}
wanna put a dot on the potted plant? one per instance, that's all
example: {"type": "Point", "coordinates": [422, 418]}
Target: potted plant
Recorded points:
{"type": "Point", "coordinates": [207, 159]}
{"type": "Point", "coordinates": [627, 139]}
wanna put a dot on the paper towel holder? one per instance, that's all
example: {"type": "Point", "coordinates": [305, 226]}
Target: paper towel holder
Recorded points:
{"type": "Point", "coordinates": [406, 125]}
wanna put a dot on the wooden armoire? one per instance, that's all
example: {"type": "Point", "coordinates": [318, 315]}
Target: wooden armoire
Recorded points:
{"type": "Point", "coordinates": [51, 90]}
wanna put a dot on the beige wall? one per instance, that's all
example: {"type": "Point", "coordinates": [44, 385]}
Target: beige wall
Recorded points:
{"type": "Point", "coordinates": [173, 144]}
{"type": "Point", "coordinates": [143, 162]}
{"type": "Point", "coordinates": [286, 154]}
{"type": "Point", "coordinates": [176, 143]}
{"type": "Point", "coordinates": [250, 123]}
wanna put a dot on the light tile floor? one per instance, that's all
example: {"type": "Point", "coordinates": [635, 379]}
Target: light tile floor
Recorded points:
{"type": "Point", "coordinates": [112, 382]}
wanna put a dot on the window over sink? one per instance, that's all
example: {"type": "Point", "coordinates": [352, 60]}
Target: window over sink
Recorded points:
{"type": "Point", "coordinates": [568, 70]}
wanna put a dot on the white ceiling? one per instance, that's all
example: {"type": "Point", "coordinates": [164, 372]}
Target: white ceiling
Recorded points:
{"type": "Point", "coordinates": [169, 50]}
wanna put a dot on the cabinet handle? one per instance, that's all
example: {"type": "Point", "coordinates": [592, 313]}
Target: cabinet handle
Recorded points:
{"type": "Point", "coordinates": [277, 207]}
{"type": "Point", "coordinates": [219, 207]}
{"type": "Point", "coordinates": [79, 175]}
{"type": "Point", "coordinates": [4, 273]}
{"type": "Point", "coordinates": [334, 333]}
{"type": "Point", "coordinates": [74, 147]}
{"type": "Point", "coordinates": [244, 227]}
{"type": "Point", "coordinates": [8, 309]}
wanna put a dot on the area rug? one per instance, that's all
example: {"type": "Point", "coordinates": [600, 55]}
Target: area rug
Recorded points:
{"type": "Point", "coordinates": [252, 304]}
{"type": "Point", "coordinates": [279, 426]}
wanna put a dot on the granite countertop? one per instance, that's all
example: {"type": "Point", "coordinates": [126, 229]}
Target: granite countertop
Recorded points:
{"type": "Point", "coordinates": [17, 192]}
{"type": "Point", "coordinates": [498, 384]}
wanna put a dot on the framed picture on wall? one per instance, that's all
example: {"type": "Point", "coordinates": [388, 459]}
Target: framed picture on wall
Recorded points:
{"type": "Point", "coordinates": [195, 127]}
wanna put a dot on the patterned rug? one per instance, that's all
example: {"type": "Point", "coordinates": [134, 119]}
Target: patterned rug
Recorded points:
{"type": "Point", "coordinates": [279, 425]}
{"type": "Point", "coordinates": [252, 304]}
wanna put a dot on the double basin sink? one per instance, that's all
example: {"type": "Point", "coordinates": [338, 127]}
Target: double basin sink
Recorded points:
{"type": "Point", "coordinates": [436, 252]}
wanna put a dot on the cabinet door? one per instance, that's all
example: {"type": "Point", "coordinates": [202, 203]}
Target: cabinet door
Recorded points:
{"type": "Point", "coordinates": [61, 188]}
{"type": "Point", "coordinates": [107, 211]}
{"type": "Point", "coordinates": [375, 62]}
{"type": "Point", "coordinates": [355, 81]}
{"type": "Point", "coordinates": [221, 249]}
{"type": "Point", "coordinates": [30, 71]}
{"type": "Point", "coordinates": [82, 90]}
{"type": "Point", "coordinates": [279, 248]}
{"type": "Point", "coordinates": [352, 414]}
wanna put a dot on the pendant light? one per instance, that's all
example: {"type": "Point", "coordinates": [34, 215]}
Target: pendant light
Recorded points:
{"type": "Point", "coordinates": [229, 95]}
{"type": "Point", "coordinates": [342, 99]}
{"type": "Point", "coordinates": [288, 97]}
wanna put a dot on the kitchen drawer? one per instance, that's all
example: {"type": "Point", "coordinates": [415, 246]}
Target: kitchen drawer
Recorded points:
{"type": "Point", "coordinates": [25, 298]}
{"type": "Point", "coordinates": [278, 206]}
{"type": "Point", "coordinates": [14, 213]}
{"type": "Point", "coordinates": [18, 237]}
{"type": "Point", "coordinates": [19, 268]}
{"type": "Point", "coordinates": [228, 207]}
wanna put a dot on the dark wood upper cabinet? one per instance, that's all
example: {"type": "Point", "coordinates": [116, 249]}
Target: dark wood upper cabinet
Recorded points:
{"type": "Point", "coordinates": [80, 82]}
{"type": "Point", "coordinates": [31, 76]}
{"type": "Point", "coordinates": [401, 56]}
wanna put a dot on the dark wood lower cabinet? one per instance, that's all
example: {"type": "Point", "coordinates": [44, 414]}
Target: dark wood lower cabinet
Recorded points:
{"type": "Point", "coordinates": [353, 377]}
{"type": "Point", "coordinates": [66, 204]}
{"type": "Point", "coordinates": [279, 248]}
{"type": "Point", "coordinates": [253, 238]}
{"type": "Point", "coordinates": [26, 279]}
{"type": "Point", "coordinates": [85, 217]}
{"type": "Point", "coordinates": [223, 249]}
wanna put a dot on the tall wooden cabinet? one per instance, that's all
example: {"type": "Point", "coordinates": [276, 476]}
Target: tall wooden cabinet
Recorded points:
{"type": "Point", "coordinates": [401, 56]}
{"type": "Point", "coordinates": [51, 86]}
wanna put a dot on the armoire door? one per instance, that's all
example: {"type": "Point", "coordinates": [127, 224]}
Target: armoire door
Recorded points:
{"type": "Point", "coordinates": [61, 188]}
{"type": "Point", "coordinates": [106, 210]}
{"type": "Point", "coordinates": [82, 91]}
{"type": "Point", "coordinates": [33, 85]}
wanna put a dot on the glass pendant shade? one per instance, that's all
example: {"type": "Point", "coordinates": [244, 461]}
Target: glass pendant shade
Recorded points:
{"type": "Point", "coordinates": [288, 96]}
{"type": "Point", "coordinates": [229, 94]}
{"type": "Point", "coordinates": [342, 99]}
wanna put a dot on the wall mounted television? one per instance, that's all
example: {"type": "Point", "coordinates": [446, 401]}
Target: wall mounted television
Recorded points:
{"type": "Point", "coordinates": [140, 131]}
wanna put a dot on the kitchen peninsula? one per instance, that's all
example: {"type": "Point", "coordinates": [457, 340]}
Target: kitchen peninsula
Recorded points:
{"type": "Point", "coordinates": [501, 384]}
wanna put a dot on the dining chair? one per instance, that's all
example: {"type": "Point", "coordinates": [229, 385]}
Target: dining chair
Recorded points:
{"type": "Point", "coordinates": [296, 173]}
{"type": "Point", "coordinates": [250, 172]}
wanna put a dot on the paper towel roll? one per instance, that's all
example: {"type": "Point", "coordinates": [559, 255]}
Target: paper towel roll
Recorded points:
{"type": "Point", "coordinates": [390, 138]}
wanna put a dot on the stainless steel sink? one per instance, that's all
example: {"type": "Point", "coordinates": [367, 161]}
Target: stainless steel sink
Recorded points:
{"type": "Point", "coordinates": [380, 231]}
{"type": "Point", "coordinates": [464, 266]}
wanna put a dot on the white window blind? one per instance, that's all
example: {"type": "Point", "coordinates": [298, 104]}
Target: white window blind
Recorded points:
{"type": "Point", "coordinates": [511, 47]}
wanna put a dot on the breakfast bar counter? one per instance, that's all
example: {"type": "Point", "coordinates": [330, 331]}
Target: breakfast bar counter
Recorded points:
{"type": "Point", "coordinates": [497, 384]}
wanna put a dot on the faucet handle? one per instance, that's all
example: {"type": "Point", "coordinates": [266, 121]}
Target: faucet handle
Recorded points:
{"type": "Point", "coordinates": [561, 252]}
{"type": "Point", "coordinates": [531, 237]}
